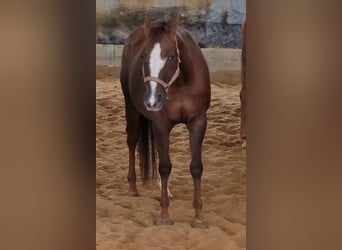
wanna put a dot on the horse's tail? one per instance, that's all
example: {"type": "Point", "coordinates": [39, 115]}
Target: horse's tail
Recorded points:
{"type": "Point", "coordinates": [146, 148]}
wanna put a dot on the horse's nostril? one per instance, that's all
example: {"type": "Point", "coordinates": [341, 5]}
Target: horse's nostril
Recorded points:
{"type": "Point", "coordinates": [159, 97]}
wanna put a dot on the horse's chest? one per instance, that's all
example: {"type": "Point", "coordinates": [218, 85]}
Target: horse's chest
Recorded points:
{"type": "Point", "coordinates": [181, 109]}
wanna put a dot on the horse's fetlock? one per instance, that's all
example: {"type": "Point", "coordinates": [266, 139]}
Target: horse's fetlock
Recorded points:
{"type": "Point", "coordinates": [164, 202]}
{"type": "Point", "coordinates": [131, 178]}
{"type": "Point", "coordinates": [197, 204]}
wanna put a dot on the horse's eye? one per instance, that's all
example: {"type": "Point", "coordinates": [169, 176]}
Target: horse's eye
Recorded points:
{"type": "Point", "coordinates": [159, 97]}
{"type": "Point", "coordinates": [170, 58]}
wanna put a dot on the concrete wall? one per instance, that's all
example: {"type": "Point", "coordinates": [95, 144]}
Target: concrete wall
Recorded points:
{"type": "Point", "coordinates": [217, 58]}
{"type": "Point", "coordinates": [214, 23]}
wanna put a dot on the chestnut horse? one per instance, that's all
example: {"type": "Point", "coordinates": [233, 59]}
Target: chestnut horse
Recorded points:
{"type": "Point", "coordinates": [165, 81]}
{"type": "Point", "coordinates": [243, 132]}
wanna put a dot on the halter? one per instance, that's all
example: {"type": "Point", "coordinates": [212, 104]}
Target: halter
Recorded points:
{"type": "Point", "coordinates": [165, 85]}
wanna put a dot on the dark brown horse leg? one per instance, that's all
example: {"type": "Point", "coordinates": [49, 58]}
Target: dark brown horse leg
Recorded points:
{"type": "Point", "coordinates": [162, 139]}
{"type": "Point", "coordinates": [132, 129]}
{"type": "Point", "coordinates": [197, 128]}
{"type": "Point", "coordinates": [243, 114]}
{"type": "Point", "coordinates": [243, 105]}
{"type": "Point", "coordinates": [243, 89]}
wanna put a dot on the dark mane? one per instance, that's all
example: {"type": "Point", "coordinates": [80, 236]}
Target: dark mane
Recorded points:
{"type": "Point", "coordinates": [158, 28]}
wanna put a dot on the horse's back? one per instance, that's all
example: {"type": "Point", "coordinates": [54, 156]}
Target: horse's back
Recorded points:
{"type": "Point", "coordinates": [132, 46]}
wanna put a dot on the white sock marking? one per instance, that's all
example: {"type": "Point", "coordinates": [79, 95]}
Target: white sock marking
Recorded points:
{"type": "Point", "coordinates": [168, 190]}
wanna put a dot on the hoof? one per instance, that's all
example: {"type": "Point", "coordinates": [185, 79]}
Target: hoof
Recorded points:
{"type": "Point", "coordinates": [163, 221]}
{"type": "Point", "coordinates": [133, 194]}
{"type": "Point", "coordinates": [196, 223]}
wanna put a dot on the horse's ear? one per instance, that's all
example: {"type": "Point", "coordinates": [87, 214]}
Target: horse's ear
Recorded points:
{"type": "Point", "coordinates": [174, 26]}
{"type": "Point", "coordinates": [147, 23]}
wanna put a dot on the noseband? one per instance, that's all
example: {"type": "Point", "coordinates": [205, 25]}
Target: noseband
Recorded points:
{"type": "Point", "coordinates": [165, 85]}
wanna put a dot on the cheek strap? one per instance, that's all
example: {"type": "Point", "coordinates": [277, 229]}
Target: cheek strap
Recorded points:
{"type": "Point", "coordinates": [165, 85]}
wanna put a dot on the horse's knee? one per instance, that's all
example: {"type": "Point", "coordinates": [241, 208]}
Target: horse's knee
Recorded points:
{"type": "Point", "coordinates": [164, 170]}
{"type": "Point", "coordinates": [196, 170]}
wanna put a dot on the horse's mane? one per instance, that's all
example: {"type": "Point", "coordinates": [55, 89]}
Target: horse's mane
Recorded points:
{"type": "Point", "coordinates": [158, 28]}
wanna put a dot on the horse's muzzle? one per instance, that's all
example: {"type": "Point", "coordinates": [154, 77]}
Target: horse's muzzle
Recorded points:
{"type": "Point", "coordinates": [154, 100]}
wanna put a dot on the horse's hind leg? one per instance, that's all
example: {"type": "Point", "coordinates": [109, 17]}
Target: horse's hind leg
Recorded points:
{"type": "Point", "coordinates": [132, 128]}
{"type": "Point", "coordinates": [243, 90]}
{"type": "Point", "coordinates": [243, 116]}
{"type": "Point", "coordinates": [197, 128]}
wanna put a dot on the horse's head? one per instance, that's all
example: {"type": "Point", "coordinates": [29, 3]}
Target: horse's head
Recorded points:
{"type": "Point", "coordinates": [160, 57]}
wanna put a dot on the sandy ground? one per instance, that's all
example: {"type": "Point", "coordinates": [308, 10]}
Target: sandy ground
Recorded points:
{"type": "Point", "coordinates": [124, 222]}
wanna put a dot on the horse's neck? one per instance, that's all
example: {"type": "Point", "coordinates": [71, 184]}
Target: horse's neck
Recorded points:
{"type": "Point", "coordinates": [189, 56]}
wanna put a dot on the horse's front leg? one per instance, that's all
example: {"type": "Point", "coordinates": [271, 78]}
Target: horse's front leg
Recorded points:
{"type": "Point", "coordinates": [132, 129]}
{"type": "Point", "coordinates": [243, 91]}
{"type": "Point", "coordinates": [161, 135]}
{"type": "Point", "coordinates": [243, 116]}
{"type": "Point", "coordinates": [197, 128]}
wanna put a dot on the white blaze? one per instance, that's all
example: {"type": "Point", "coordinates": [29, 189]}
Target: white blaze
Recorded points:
{"type": "Point", "coordinates": [156, 64]}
